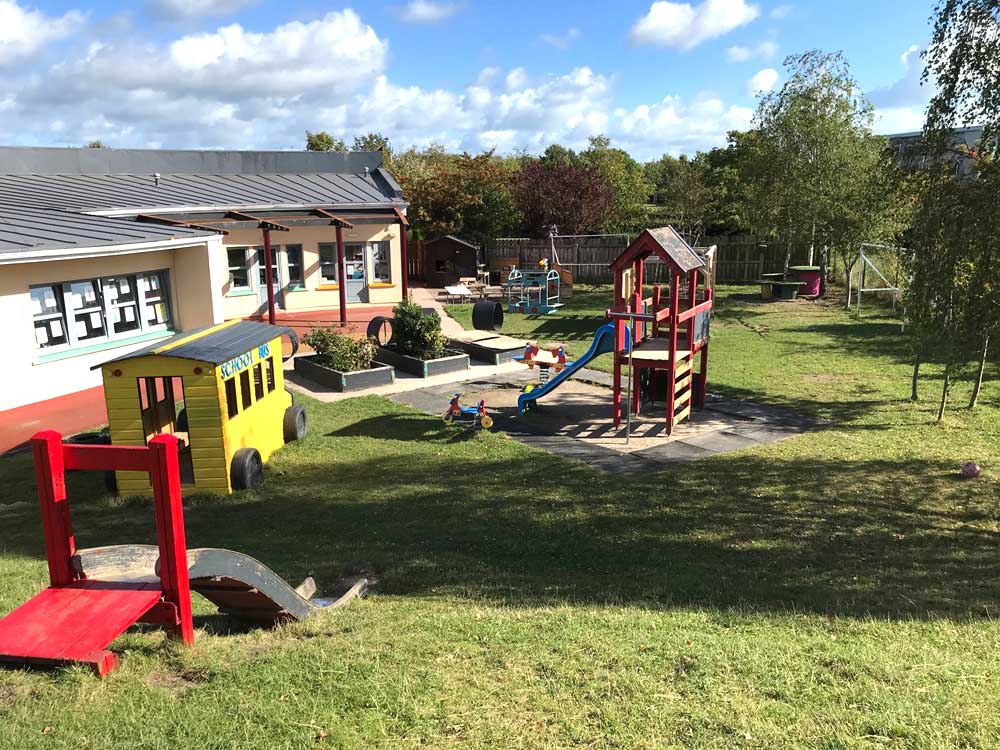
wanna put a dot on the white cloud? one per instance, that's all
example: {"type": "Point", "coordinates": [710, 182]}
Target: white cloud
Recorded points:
{"type": "Point", "coordinates": [427, 11]}
{"type": "Point", "coordinates": [683, 26]}
{"type": "Point", "coordinates": [901, 105]}
{"type": "Point", "coordinates": [764, 51]}
{"type": "Point", "coordinates": [236, 88]}
{"type": "Point", "coordinates": [561, 41]}
{"type": "Point", "coordinates": [184, 9]}
{"type": "Point", "coordinates": [24, 32]}
{"type": "Point", "coordinates": [762, 82]}
{"type": "Point", "coordinates": [781, 11]}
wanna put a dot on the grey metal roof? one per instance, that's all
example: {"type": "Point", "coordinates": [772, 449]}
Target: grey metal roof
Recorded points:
{"type": "Point", "coordinates": [675, 246]}
{"type": "Point", "coordinates": [151, 181]}
{"type": "Point", "coordinates": [453, 238]}
{"type": "Point", "coordinates": [24, 229]}
{"type": "Point", "coordinates": [213, 348]}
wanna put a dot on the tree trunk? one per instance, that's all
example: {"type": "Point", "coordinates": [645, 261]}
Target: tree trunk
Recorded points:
{"type": "Point", "coordinates": [848, 268]}
{"type": "Point", "coordinates": [977, 386]}
{"type": "Point", "coordinates": [916, 374]}
{"type": "Point", "coordinates": [944, 392]}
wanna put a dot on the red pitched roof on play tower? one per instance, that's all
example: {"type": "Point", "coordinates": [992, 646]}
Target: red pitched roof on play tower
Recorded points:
{"type": "Point", "coordinates": [664, 242]}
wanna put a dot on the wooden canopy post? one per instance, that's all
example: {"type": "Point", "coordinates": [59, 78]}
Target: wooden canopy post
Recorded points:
{"type": "Point", "coordinates": [50, 477]}
{"type": "Point", "coordinates": [342, 275]}
{"type": "Point", "coordinates": [404, 225]}
{"type": "Point", "coordinates": [269, 274]}
{"type": "Point", "coordinates": [675, 301]}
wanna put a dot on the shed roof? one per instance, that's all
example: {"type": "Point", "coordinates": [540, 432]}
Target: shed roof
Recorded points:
{"type": "Point", "coordinates": [24, 230]}
{"type": "Point", "coordinates": [453, 238]}
{"type": "Point", "coordinates": [665, 242]}
{"type": "Point", "coordinates": [211, 344]}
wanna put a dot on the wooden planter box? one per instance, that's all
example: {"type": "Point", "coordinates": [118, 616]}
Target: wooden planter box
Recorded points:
{"type": "Point", "coordinates": [423, 368]}
{"type": "Point", "coordinates": [307, 367]}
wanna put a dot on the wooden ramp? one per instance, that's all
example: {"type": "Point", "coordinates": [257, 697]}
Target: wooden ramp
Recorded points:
{"type": "Point", "coordinates": [239, 585]}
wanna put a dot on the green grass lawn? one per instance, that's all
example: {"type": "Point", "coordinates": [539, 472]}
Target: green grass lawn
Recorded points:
{"type": "Point", "coordinates": [837, 590]}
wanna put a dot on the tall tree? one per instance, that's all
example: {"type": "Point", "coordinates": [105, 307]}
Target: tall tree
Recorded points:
{"type": "Point", "coordinates": [958, 220]}
{"type": "Point", "coordinates": [625, 179]}
{"type": "Point", "coordinates": [323, 141]}
{"type": "Point", "coordinates": [684, 190]}
{"type": "Point", "coordinates": [817, 176]}
{"type": "Point", "coordinates": [576, 199]}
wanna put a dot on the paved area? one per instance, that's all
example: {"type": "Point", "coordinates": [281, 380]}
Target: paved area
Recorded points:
{"type": "Point", "coordinates": [68, 415]}
{"type": "Point", "coordinates": [574, 421]}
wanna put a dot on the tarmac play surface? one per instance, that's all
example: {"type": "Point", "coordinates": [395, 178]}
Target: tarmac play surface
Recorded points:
{"type": "Point", "coordinates": [574, 421]}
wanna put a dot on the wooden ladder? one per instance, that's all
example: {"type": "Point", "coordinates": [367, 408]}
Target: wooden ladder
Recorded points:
{"type": "Point", "coordinates": [683, 390]}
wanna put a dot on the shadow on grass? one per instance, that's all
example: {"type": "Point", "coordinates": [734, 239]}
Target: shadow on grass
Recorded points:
{"type": "Point", "coordinates": [852, 538]}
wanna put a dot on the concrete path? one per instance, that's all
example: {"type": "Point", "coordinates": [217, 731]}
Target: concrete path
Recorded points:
{"type": "Point", "coordinates": [426, 297]}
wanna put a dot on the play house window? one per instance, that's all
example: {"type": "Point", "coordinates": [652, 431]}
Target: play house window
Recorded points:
{"type": "Point", "coordinates": [232, 408]}
{"type": "Point", "coordinates": [91, 311]}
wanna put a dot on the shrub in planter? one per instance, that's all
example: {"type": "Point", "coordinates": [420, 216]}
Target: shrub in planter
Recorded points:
{"type": "Point", "coordinates": [339, 352]}
{"type": "Point", "coordinates": [417, 334]}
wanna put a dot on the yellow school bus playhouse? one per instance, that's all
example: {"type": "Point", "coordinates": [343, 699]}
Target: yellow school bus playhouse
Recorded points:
{"type": "Point", "coordinates": [220, 390]}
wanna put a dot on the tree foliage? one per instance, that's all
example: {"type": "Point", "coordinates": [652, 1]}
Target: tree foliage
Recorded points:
{"type": "Point", "coordinates": [814, 174]}
{"type": "Point", "coordinates": [574, 198]}
{"type": "Point", "coordinates": [687, 192]}
{"type": "Point", "coordinates": [626, 180]}
{"type": "Point", "coordinates": [323, 141]}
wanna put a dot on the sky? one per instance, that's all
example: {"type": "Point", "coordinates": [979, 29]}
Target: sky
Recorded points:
{"type": "Point", "coordinates": [656, 77]}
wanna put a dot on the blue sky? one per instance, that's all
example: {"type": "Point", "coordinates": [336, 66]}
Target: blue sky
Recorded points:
{"type": "Point", "coordinates": [657, 77]}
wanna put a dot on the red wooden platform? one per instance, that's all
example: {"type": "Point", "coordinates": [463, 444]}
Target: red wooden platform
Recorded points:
{"type": "Point", "coordinates": [76, 619]}
{"type": "Point", "coordinates": [75, 624]}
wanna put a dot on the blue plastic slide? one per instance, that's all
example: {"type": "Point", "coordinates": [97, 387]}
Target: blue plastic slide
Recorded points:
{"type": "Point", "coordinates": [604, 343]}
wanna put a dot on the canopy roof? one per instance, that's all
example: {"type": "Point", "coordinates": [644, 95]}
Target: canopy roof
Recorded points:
{"type": "Point", "coordinates": [665, 243]}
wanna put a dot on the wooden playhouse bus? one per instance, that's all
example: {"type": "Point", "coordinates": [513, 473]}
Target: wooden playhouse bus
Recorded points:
{"type": "Point", "coordinates": [220, 390]}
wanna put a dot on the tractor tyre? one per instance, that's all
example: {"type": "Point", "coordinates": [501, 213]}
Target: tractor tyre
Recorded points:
{"type": "Point", "coordinates": [295, 423]}
{"type": "Point", "coordinates": [247, 470]}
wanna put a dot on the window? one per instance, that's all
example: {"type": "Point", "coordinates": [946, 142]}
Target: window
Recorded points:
{"type": "Point", "coordinates": [231, 406]}
{"type": "Point", "coordinates": [293, 255]}
{"type": "Point", "coordinates": [258, 382]}
{"type": "Point", "coordinates": [269, 366]}
{"type": "Point", "coordinates": [245, 388]}
{"type": "Point", "coordinates": [381, 262]}
{"type": "Point", "coordinates": [262, 267]}
{"type": "Point", "coordinates": [328, 262]}
{"type": "Point", "coordinates": [239, 276]}
{"type": "Point", "coordinates": [91, 311]}
{"type": "Point", "coordinates": [354, 254]}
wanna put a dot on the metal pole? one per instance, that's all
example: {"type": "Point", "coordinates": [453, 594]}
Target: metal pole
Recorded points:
{"type": "Point", "coordinates": [269, 275]}
{"type": "Point", "coordinates": [628, 399]}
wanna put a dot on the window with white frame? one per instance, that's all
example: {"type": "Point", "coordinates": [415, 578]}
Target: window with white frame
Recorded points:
{"type": "Point", "coordinates": [75, 314]}
{"type": "Point", "coordinates": [293, 256]}
{"type": "Point", "coordinates": [239, 271]}
{"type": "Point", "coordinates": [328, 262]}
{"type": "Point", "coordinates": [381, 262]}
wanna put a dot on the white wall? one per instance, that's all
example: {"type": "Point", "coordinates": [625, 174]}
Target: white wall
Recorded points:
{"type": "Point", "coordinates": [195, 272]}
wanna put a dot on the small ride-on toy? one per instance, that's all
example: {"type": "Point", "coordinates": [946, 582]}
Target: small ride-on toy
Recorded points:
{"type": "Point", "coordinates": [474, 416]}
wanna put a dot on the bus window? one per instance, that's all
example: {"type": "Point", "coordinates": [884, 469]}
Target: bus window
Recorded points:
{"type": "Point", "coordinates": [258, 382]}
{"type": "Point", "coordinates": [245, 387]}
{"type": "Point", "coordinates": [269, 364]}
{"type": "Point", "coordinates": [231, 406]}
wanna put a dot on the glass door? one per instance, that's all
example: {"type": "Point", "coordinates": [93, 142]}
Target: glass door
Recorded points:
{"type": "Point", "coordinates": [357, 282]}
{"type": "Point", "coordinates": [276, 284]}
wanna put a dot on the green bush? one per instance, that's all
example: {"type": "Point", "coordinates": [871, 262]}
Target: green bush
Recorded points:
{"type": "Point", "coordinates": [416, 333]}
{"type": "Point", "coordinates": [339, 352]}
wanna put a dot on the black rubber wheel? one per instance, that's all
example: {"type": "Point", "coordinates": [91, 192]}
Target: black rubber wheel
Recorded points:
{"type": "Point", "coordinates": [296, 423]}
{"type": "Point", "coordinates": [111, 482]}
{"type": "Point", "coordinates": [380, 328]}
{"type": "Point", "coordinates": [487, 316]}
{"type": "Point", "coordinates": [247, 470]}
{"type": "Point", "coordinates": [181, 424]}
